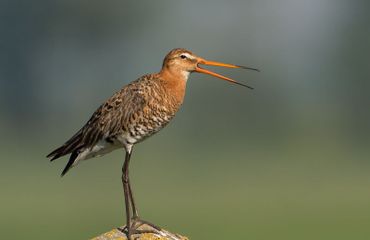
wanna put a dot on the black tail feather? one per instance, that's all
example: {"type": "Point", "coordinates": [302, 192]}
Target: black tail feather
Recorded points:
{"type": "Point", "coordinates": [71, 160]}
{"type": "Point", "coordinates": [63, 150]}
{"type": "Point", "coordinates": [57, 153]}
{"type": "Point", "coordinates": [67, 148]}
{"type": "Point", "coordinates": [73, 146]}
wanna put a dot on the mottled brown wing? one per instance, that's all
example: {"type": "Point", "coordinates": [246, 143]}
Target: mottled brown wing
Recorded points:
{"type": "Point", "coordinates": [107, 121]}
{"type": "Point", "coordinates": [111, 118]}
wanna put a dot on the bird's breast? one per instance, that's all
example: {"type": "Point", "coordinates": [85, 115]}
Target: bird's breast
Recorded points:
{"type": "Point", "coordinates": [159, 105]}
{"type": "Point", "coordinates": [144, 128]}
{"type": "Point", "coordinates": [152, 119]}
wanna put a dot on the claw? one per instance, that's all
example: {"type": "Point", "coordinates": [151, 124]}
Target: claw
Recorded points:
{"type": "Point", "coordinates": [136, 224]}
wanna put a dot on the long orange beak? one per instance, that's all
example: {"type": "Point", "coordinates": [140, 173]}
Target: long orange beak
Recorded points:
{"type": "Point", "coordinates": [219, 64]}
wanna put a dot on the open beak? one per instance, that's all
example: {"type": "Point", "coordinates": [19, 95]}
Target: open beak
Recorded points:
{"type": "Point", "coordinates": [211, 63]}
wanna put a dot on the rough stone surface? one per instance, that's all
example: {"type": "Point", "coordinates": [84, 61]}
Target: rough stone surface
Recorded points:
{"type": "Point", "coordinates": [156, 234]}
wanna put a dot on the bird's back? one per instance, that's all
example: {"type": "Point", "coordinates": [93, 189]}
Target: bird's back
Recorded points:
{"type": "Point", "coordinates": [132, 114]}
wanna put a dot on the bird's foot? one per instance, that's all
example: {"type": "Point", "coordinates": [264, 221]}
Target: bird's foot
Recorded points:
{"type": "Point", "coordinates": [138, 227]}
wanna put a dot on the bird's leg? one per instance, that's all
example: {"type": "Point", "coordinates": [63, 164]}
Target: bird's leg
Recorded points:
{"type": "Point", "coordinates": [134, 209]}
{"type": "Point", "coordinates": [133, 222]}
{"type": "Point", "coordinates": [130, 194]}
{"type": "Point", "coordinates": [126, 190]}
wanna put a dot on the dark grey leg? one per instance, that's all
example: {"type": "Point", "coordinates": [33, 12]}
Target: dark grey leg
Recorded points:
{"type": "Point", "coordinates": [132, 221]}
{"type": "Point", "coordinates": [126, 190]}
{"type": "Point", "coordinates": [135, 213]}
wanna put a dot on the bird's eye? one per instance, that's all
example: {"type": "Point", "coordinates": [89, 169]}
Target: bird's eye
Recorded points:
{"type": "Point", "coordinates": [182, 56]}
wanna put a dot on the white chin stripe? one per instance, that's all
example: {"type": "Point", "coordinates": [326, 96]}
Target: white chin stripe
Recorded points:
{"type": "Point", "coordinates": [185, 74]}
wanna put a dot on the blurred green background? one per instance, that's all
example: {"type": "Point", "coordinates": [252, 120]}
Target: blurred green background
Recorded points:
{"type": "Point", "coordinates": [288, 160]}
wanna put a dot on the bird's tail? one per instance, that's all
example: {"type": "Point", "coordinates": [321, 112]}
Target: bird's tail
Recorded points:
{"type": "Point", "coordinates": [73, 146]}
{"type": "Point", "coordinates": [71, 160]}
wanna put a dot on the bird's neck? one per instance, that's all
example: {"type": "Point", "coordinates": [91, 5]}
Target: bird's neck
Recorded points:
{"type": "Point", "coordinates": [175, 83]}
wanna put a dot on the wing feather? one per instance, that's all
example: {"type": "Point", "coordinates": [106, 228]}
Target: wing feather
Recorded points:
{"type": "Point", "coordinates": [109, 120]}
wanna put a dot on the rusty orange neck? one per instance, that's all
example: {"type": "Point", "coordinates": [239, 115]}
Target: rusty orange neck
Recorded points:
{"type": "Point", "coordinates": [175, 83]}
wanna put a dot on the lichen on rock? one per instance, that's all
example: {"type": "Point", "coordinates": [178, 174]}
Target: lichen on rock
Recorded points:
{"type": "Point", "coordinates": [118, 234]}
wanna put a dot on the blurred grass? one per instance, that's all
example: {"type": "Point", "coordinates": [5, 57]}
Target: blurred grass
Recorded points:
{"type": "Point", "coordinates": [203, 194]}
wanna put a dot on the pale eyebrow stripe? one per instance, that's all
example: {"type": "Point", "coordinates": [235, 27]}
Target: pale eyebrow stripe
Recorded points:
{"type": "Point", "coordinates": [188, 55]}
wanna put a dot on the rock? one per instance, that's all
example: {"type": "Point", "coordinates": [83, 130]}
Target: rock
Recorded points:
{"type": "Point", "coordinates": [155, 234]}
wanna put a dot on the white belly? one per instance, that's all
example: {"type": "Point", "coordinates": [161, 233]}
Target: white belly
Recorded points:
{"type": "Point", "coordinates": [101, 148]}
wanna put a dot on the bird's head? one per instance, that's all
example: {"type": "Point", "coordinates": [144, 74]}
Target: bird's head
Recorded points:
{"type": "Point", "coordinates": [182, 62]}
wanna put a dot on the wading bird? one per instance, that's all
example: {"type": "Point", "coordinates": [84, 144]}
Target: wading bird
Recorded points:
{"type": "Point", "coordinates": [134, 113]}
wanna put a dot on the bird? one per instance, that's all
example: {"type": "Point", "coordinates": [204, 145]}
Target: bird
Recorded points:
{"type": "Point", "coordinates": [134, 113]}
